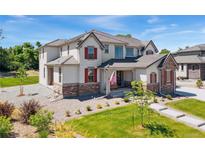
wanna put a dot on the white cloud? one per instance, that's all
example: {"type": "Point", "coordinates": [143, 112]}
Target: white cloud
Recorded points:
{"type": "Point", "coordinates": [20, 18]}
{"type": "Point", "coordinates": [176, 33]}
{"type": "Point", "coordinates": [203, 30]}
{"type": "Point", "coordinates": [106, 22]}
{"type": "Point", "coordinates": [154, 30]}
{"type": "Point", "coordinates": [173, 25]}
{"type": "Point", "coordinates": [153, 19]}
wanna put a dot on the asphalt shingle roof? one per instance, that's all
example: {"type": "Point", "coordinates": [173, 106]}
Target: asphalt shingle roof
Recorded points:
{"type": "Point", "coordinates": [142, 62]}
{"type": "Point", "coordinates": [190, 59]}
{"type": "Point", "coordinates": [63, 60]}
{"type": "Point", "coordinates": [200, 47]}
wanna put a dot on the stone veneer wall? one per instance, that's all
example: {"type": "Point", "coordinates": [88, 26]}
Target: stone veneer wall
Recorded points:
{"type": "Point", "coordinates": [153, 87]}
{"type": "Point", "coordinates": [57, 88]}
{"type": "Point", "coordinates": [79, 89]}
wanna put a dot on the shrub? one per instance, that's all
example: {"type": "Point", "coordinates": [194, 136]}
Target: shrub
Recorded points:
{"type": "Point", "coordinates": [199, 83]}
{"type": "Point", "coordinates": [126, 100]}
{"type": "Point", "coordinates": [88, 108]}
{"type": "Point", "coordinates": [41, 120]}
{"type": "Point", "coordinates": [16, 114]}
{"type": "Point", "coordinates": [160, 129]}
{"type": "Point", "coordinates": [29, 108]}
{"type": "Point", "coordinates": [43, 133]}
{"type": "Point", "coordinates": [64, 131]}
{"type": "Point", "coordinates": [117, 103]}
{"type": "Point", "coordinates": [155, 100]}
{"type": "Point", "coordinates": [6, 109]}
{"type": "Point", "coordinates": [169, 97]}
{"type": "Point", "coordinates": [67, 114]}
{"type": "Point", "coordinates": [5, 126]}
{"type": "Point", "coordinates": [107, 104]}
{"type": "Point", "coordinates": [78, 112]}
{"type": "Point", "coordinates": [99, 106]}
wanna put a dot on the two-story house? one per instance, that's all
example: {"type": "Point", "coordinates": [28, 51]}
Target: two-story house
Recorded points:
{"type": "Point", "coordinates": [191, 62]}
{"type": "Point", "coordinates": [99, 62]}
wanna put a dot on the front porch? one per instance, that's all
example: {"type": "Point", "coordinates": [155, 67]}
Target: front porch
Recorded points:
{"type": "Point", "coordinates": [116, 81]}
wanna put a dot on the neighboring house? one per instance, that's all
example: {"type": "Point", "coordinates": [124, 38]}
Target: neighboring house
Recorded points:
{"type": "Point", "coordinates": [191, 62]}
{"type": "Point", "coordinates": [87, 64]}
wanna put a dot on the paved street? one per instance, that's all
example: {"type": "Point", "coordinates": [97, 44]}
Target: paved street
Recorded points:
{"type": "Point", "coordinates": [192, 92]}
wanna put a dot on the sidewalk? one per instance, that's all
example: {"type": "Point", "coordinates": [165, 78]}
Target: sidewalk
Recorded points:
{"type": "Point", "coordinates": [180, 116]}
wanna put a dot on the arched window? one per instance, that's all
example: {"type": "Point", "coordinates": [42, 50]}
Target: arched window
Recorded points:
{"type": "Point", "coordinates": [153, 77]}
{"type": "Point", "coordinates": [149, 52]}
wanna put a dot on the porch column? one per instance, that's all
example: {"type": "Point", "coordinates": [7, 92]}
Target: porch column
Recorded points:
{"type": "Point", "coordinates": [107, 86]}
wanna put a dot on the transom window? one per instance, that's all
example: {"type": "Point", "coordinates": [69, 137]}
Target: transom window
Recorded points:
{"type": "Point", "coordinates": [106, 48]}
{"type": "Point", "coordinates": [129, 52]}
{"type": "Point", "coordinates": [91, 52]}
{"type": "Point", "coordinates": [119, 52]}
{"type": "Point", "coordinates": [194, 67]}
{"type": "Point", "coordinates": [91, 74]}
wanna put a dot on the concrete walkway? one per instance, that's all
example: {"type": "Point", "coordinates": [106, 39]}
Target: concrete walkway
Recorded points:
{"type": "Point", "coordinates": [180, 116]}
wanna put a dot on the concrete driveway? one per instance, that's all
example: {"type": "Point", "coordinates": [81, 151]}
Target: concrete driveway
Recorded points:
{"type": "Point", "coordinates": [191, 92]}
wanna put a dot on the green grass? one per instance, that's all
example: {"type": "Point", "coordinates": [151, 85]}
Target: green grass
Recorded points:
{"type": "Point", "coordinates": [191, 106]}
{"type": "Point", "coordinates": [11, 81]}
{"type": "Point", "coordinates": [118, 123]}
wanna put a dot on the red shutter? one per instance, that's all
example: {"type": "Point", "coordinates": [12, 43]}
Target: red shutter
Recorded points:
{"type": "Point", "coordinates": [86, 75]}
{"type": "Point", "coordinates": [155, 78]}
{"type": "Point", "coordinates": [165, 76]}
{"type": "Point", "coordinates": [151, 78]}
{"type": "Point", "coordinates": [86, 53]}
{"type": "Point", "coordinates": [95, 75]}
{"type": "Point", "coordinates": [171, 76]}
{"type": "Point", "coordinates": [95, 53]}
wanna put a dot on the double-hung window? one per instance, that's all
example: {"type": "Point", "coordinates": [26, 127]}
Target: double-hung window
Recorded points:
{"type": "Point", "coordinates": [118, 52]}
{"type": "Point", "coordinates": [106, 48]}
{"type": "Point", "coordinates": [91, 74]}
{"type": "Point", "coordinates": [90, 52]}
{"type": "Point", "coordinates": [129, 52]}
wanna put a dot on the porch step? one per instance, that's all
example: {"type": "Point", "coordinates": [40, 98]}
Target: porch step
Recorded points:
{"type": "Point", "coordinates": [116, 94]}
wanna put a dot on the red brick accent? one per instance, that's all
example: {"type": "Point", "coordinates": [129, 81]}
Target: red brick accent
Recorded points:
{"type": "Point", "coordinates": [168, 88]}
{"type": "Point", "coordinates": [153, 87]}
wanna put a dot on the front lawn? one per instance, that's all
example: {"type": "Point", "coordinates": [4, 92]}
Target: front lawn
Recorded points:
{"type": "Point", "coordinates": [118, 123]}
{"type": "Point", "coordinates": [192, 106]}
{"type": "Point", "coordinates": [12, 81]}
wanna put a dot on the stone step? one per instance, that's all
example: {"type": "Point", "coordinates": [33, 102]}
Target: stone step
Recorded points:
{"type": "Point", "coordinates": [192, 121]}
{"type": "Point", "coordinates": [173, 113]}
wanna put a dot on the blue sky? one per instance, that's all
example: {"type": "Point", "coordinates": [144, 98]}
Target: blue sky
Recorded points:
{"type": "Point", "coordinates": [169, 32]}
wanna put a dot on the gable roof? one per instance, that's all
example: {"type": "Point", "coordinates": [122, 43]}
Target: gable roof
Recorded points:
{"type": "Point", "coordinates": [91, 34]}
{"type": "Point", "coordinates": [103, 38]}
{"type": "Point", "coordinates": [165, 60]}
{"type": "Point", "coordinates": [151, 42]}
{"type": "Point", "coordinates": [64, 60]}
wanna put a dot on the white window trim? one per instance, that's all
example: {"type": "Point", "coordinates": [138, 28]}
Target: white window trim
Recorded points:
{"type": "Point", "coordinates": [126, 52]}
